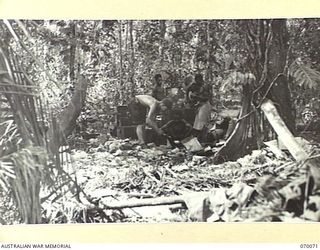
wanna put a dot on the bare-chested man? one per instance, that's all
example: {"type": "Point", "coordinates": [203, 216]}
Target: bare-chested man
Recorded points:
{"type": "Point", "coordinates": [144, 110]}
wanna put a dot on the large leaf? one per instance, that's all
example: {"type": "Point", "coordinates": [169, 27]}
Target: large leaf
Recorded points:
{"type": "Point", "coordinates": [235, 79]}
{"type": "Point", "coordinates": [304, 75]}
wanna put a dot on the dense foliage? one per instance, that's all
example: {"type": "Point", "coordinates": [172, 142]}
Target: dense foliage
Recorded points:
{"type": "Point", "coordinates": [119, 58]}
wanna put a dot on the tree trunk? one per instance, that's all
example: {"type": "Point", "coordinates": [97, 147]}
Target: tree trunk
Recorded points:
{"type": "Point", "coordinates": [267, 42]}
{"type": "Point", "coordinates": [162, 37]}
{"type": "Point", "coordinates": [127, 37]}
{"type": "Point", "coordinates": [208, 53]}
{"type": "Point", "coordinates": [120, 63]}
{"type": "Point", "coordinates": [267, 47]}
{"type": "Point", "coordinates": [133, 86]}
{"type": "Point", "coordinates": [66, 121]}
{"type": "Point", "coordinates": [243, 139]}
{"type": "Point", "coordinates": [280, 92]}
{"type": "Point", "coordinates": [73, 47]}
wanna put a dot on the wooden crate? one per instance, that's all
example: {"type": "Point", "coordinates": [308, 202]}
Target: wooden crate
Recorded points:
{"type": "Point", "coordinates": [124, 132]}
{"type": "Point", "coordinates": [124, 121]}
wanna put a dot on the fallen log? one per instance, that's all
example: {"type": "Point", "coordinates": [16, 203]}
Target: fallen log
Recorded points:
{"type": "Point", "coordinates": [145, 202]}
{"type": "Point", "coordinates": [194, 202]}
{"type": "Point", "coordinates": [158, 201]}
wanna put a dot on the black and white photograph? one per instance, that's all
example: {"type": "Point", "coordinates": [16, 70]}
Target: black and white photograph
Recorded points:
{"type": "Point", "coordinates": [159, 121]}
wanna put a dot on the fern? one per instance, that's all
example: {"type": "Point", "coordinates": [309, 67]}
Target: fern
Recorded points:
{"type": "Point", "coordinates": [304, 75]}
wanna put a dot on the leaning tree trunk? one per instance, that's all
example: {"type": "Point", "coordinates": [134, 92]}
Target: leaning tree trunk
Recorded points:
{"type": "Point", "coordinates": [267, 46]}
{"type": "Point", "coordinates": [65, 123]}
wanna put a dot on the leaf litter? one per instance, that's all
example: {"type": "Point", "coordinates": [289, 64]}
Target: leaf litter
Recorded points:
{"type": "Point", "coordinates": [131, 183]}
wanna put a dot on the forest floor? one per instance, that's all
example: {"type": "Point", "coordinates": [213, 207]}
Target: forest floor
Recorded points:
{"type": "Point", "coordinates": [130, 183]}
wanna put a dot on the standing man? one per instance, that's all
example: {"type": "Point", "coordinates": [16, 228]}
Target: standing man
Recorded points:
{"type": "Point", "coordinates": [158, 90]}
{"type": "Point", "coordinates": [144, 110]}
{"type": "Point", "coordinates": [198, 96]}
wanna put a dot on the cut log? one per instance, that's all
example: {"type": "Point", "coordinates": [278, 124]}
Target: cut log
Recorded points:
{"type": "Point", "coordinates": [287, 138]}
{"type": "Point", "coordinates": [284, 134]}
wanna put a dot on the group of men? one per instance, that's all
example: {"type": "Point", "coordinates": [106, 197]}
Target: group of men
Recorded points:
{"type": "Point", "coordinates": [197, 97]}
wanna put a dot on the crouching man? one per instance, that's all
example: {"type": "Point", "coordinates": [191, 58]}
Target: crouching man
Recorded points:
{"type": "Point", "coordinates": [144, 110]}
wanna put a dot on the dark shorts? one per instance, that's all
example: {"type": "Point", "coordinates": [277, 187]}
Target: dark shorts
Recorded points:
{"type": "Point", "coordinates": [177, 129]}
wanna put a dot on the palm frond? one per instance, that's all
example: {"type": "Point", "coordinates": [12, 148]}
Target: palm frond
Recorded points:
{"type": "Point", "coordinates": [9, 135]}
{"type": "Point", "coordinates": [23, 151]}
{"type": "Point", "coordinates": [6, 172]}
{"type": "Point", "coordinates": [21, 173]}
{"type": "Point", "coordinates": [304, 75]}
